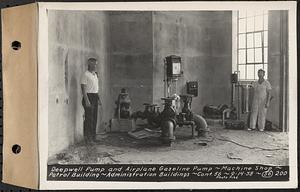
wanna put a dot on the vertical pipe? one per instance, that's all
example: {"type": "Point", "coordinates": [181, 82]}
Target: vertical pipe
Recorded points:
{"type": "Point", "coordinates": [232, 94]}
{"type": "Point", "coordinates": [164, 78]}
{"type": "Point", "coordinates": [247, 98]}
{"type": "Point", "coordinates": [281, 109]}
{"type": "Point", "coordinates": [284, 71]}
{"type": "Point", "coordinates": [238, 101]}
{"type": "Point", "coordinates": [286, 101]}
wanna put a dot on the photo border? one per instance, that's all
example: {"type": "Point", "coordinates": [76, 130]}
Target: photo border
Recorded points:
{"type": "Point", "coordinates": [162, 6]}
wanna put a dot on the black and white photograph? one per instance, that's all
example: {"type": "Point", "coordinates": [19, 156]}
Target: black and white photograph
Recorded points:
{"type": "Point", "coordinates": [160, 95]}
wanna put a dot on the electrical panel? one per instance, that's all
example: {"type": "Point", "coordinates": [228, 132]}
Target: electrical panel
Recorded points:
{"type": "Point", "coordinates": [192, 88]}
{"type": "Point", "coordinates": [173, 63]}
{"type": "Point", "coordinates": [234, 78]}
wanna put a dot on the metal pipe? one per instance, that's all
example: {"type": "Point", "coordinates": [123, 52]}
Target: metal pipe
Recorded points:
{"type": "Point", "coordinates": [238, 101]}
{"type": "Point", "coordinates": [164, 77]}
{"type": "Point", "coordinates": [245, 98]}
{"type": "Point", "coordinates": [201, 124]}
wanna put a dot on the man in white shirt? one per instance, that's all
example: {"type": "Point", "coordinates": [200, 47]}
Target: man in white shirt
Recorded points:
{"type": "Point", "coordinates": [90, 88]}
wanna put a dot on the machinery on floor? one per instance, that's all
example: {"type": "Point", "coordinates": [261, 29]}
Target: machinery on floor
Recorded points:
{"type": "Point", "coordinates": [151, 113]}
{"type": "Point", "coordinates": [233, 116]}
{"type": "Point", "coordinates": [122, 121]}
{"type": "Point", "coordinates": [171, 116]}
{"type": "Point", "coordinates": [123, 110]}
{"type": "Point", "coordinates": [241, 102]}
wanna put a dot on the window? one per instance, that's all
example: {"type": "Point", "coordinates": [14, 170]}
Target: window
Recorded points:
{"type": "Point", "coordinates": [252, 40]}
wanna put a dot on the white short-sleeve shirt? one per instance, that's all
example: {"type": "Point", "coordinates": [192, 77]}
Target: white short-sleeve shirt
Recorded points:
{"type": "Point", "coordinates": [90, 79]}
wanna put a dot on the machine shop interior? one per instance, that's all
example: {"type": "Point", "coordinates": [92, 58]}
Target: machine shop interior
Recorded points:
{"type": "Point", "coordinates": [175, 86]}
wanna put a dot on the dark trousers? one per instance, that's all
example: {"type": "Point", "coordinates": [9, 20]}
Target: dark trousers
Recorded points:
{"type": "Point", "coordinates": [90, 117]}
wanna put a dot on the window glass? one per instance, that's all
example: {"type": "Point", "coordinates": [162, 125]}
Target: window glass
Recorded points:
{"type": "Point", "coordinates": [266, 38]}
{"type": "Point", "coordinates": [250, 42]}
{"type": "Point", "coordinates": [265, 55]}
{"type": "Point", "coordinates": [258, 55]}
{"type": "Point", "coordinates": [242, 56]}
{"type": "Point", "coordinates": [259, 24]}
{"type": "Point", "coordinates": [266, 22]}
{"type": "Point", "coordinates": [242, 26]}
{"type": "Point", "coordinates": [250, 55]}
{"type": "Point", "coordinates": [250, 72]}
{"type": "Point", "coordinates": [258, 39]}
{"type": "Point", "coordinates": [250, 13]}
{"type": "Point", "coordinates": [242, 14]}
{"type": "Point", "coordinates": [250, 24]}
{"type": "Point", "coordinates": [242, 41]}
{"type": "Point", "coordinates": [242, 69]}
{"type": "Point", "coordinates": [259, 11]}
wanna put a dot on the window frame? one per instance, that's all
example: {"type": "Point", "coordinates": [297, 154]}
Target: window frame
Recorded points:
{"type": "Point", "coordinates": [263, 44]}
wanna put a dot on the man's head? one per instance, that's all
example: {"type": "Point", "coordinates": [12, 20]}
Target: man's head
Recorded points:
{"type": "Point", "coordinates": [261, 73]}
{"type": "Point", "coordinates": [92, 64]}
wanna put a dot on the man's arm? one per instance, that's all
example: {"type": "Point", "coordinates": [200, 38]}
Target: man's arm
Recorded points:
{"type": "Point", "coordinates": [269, 94]}
{"type": "Point", "coordinates": [85, 97]}
{"type": "Point", "coordinates": [268, 98]}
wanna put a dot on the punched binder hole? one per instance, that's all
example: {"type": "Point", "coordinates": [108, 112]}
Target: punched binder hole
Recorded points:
{"type": "Point", "coordinates": [16, 149]}
{"type": "Point", "coordinates": [16, 45]}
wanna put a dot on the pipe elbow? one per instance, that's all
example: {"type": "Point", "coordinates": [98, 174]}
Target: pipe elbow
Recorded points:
{"type": "Point", "coordinates": [200, 122]}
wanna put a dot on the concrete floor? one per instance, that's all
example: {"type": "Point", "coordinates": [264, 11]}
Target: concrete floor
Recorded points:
{"type": "Point", "coordinates": [245, 147]}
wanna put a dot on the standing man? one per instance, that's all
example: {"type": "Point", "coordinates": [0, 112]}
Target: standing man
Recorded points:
{"type": "Point", "coordinates": [261, 102]}
{"type": "Point", "coordinates": [90, 88]}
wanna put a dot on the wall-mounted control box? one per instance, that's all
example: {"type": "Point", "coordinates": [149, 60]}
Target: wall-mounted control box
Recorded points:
{"type": "Point", "coordinates": [174, 69]}
{"type": "Point", "coordinates": [192, 88]}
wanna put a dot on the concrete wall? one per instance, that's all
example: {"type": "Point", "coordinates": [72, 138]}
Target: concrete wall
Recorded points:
{"type": "Point", "coordinates": [73, 38]}
{"type": "Point", "coordinates": [130, 47]}
{"type": "Point", "coordinates": [203, 40]}
{"type": "Point", "coordinates": [277, 41]}
{"type": "Point", "coordinates": [131, 56]}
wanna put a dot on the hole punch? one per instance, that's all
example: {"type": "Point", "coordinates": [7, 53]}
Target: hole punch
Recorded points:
{"type": "Point", "coordinates": [16, 45]}
{"type": "Point", "coordinates": [16, 149]}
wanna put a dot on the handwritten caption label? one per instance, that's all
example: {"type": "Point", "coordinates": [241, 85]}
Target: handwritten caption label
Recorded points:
{"type": "Point", "coordinates": [169, 172]}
